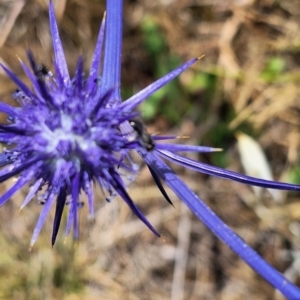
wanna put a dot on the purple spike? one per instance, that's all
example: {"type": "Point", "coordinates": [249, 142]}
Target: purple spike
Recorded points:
{"type": "Point", "coordinates": [70, 218]}
{"type": "Point", "coordinates": [118, 186]}
{"type": "Point", "coordinates": [20, 83]}
{"type": "Point", "coordinates": [215, 171]}
{"type": "Point", "coordinates": [59, 80]}
{"type": "Point", "coordinates": [220, 229]}
{"type": "Point", "coordinates": [6, 137]}
{"type": "Point", "coordinates": [32, 192]}
{"type": "Point", "coordinates": [101, 102]}
{"type": "Point", "coordinates": [88, 189]}
{"type": "Point", "coordinates": [25, 178]}
{"type": "Point", "coordinates": [60, 205]}
{"type": "Point", "coordinates": [75, 196]}
{"type": "Point", "coordinates": [113, 49]}
{"type": "Point", "coordinates": [42, 218]}
{"type": "Point", "coordinates": [164, 137]}
{"type": "Point", "coordinates": [94, 70]}
{"type": "Point", "coordinates": [34, 82]}
{"type": "Point", "coordinates": [9, 110]}
{"type": "Point", "coordinates": [141, 96]}
{"type": "Point", "coordinates": [186, 148]}
{"type": "Point", "coordinates": [79, 77]}
{"type": "Point", "coordinates": [40, 84]}
{"type": "Point", "coordinates": [22, 167]}
{"type": "Point", "coordinates": [57, 47]}
{"type": "Point", "coordinates": [5, 158]}
{"type": "Point", "coordinates": [13, 129]}
{"type": "Point", "coordinates": [159, 184]}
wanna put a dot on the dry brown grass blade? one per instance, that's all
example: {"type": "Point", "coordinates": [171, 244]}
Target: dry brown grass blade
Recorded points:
{"type": "Point", "coordinates": [181, 254]}
{"type": "Point", "coordinates": [9, 20]}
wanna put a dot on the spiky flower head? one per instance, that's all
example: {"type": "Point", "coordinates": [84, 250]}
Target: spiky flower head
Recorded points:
{"type": "Point", "coordinates": [70, 132]}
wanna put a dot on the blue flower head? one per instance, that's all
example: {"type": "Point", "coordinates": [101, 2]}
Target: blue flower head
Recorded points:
{"type": "Point", "coordinates": [71, 132]}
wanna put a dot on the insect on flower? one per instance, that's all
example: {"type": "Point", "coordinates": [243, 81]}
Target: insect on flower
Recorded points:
{"type": "Point", "coordinates": [145, 138]}
{"type": "Point", "coordinates": [41, 71]}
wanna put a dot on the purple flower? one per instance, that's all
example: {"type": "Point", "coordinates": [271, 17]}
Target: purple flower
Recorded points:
{"type": "Point", "coordinates": [71, 132]}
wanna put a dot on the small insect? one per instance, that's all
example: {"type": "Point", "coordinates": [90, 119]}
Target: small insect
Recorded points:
{"type": "Point", "coordinates": [6, 158]}
{"type": "Point", "coordinates": [145, 138]}
{"type": "Point", "coordinates": [147, 142]}
{"type": "Point", "coordinates": [41, 71]}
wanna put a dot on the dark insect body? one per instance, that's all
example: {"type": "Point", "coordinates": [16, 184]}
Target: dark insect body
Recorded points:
{"type": "Point", "coordinates": [145, 138]}
{"type": "Point", "coordinates": [41, 71]}
{"type": "Point", "coordinates": [148, 144]}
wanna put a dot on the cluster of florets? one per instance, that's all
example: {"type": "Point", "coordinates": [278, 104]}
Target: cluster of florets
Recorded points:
{"type": "Point", "coordinates": [65, 136]}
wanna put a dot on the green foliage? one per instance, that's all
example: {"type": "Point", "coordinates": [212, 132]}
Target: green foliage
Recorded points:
{"type": "Point", "coordinates": [193, 98]}
{"type": "Point", "coordinates": [293, 175]}
{"type": "Point", "coordinates": [153, 38]}
{"type": "Point", "coordinates": [168, 101]}
{"type": "Point", "coordinates": [273, 69]}
{"type": "Point", "coordinates": [43, 273]}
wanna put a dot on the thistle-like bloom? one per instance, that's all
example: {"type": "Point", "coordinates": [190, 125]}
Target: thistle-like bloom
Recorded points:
{"type": "Point", "coordinates": [70, 132]}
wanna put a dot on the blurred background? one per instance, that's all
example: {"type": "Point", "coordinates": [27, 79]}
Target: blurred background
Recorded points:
{"type": "Point", "coordinates": [243, 96]}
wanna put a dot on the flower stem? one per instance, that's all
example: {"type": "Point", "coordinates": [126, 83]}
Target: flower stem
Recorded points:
{"type": "Point", "coordinates": [221, 230]}
{"type": "Point", "coordinates": [113, 48]}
